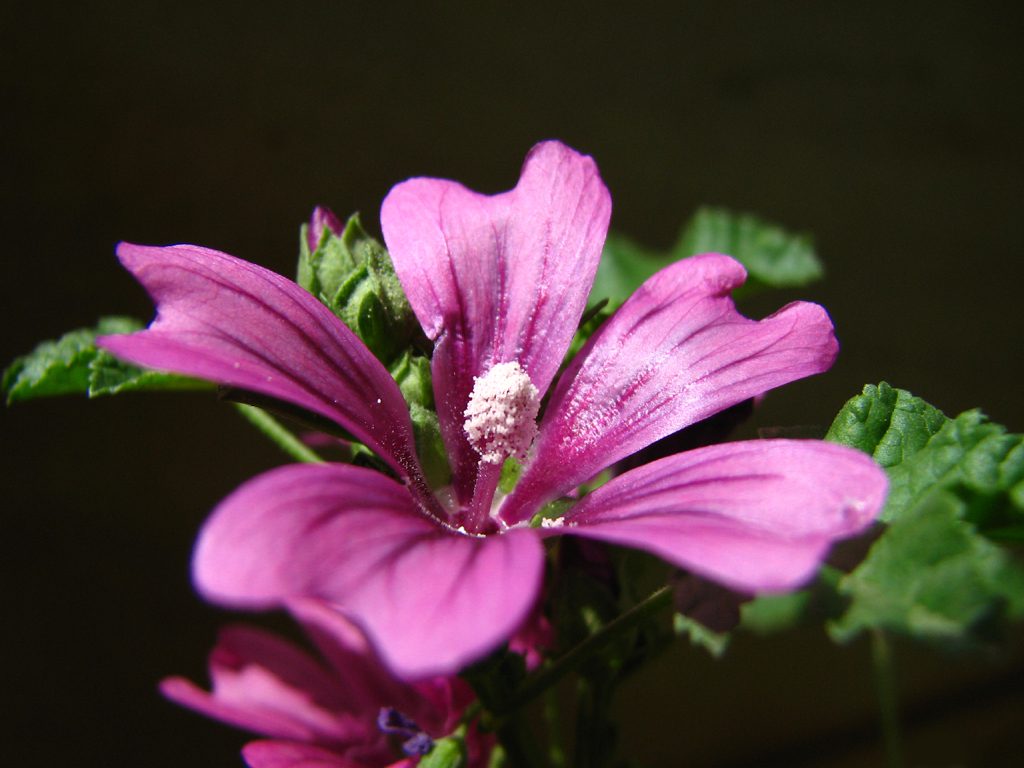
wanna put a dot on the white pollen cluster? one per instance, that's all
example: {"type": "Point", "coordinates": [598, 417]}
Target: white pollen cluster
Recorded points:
{"type": "Point", "coordinates": [501, 417]}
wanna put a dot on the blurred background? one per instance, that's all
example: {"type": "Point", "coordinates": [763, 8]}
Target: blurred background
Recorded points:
{"type": "Point", "coordinates": [892, 132]}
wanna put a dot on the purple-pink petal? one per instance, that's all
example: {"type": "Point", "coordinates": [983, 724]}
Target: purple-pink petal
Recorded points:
{"type": "Point", "coordinates": [290, 754]}
{"type": "Point", "coordinates": [268, 686]}
{"type": "Point", "coordinates": [367, 684]}
{"type": "Point", "coordinates": [497, 278]}
{"type": "Point", "coordinates": [229, 321]}
{"type": "Point", "coordinates": [755, 516]}
{"type": "Point", "coordinates": [675, 353]}
{"type": "Point", "coordinates": [431, 599]}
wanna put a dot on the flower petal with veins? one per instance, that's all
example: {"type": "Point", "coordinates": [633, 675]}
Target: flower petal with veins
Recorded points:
{"type": "Point", "coordinates": [676, 352]}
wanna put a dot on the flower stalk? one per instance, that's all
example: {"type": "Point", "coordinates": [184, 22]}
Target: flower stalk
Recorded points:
{"type": "Point", "coordinates": [652, 605]}
{"type": "Point", "coordinates": [888, 700]}
{"type": "Point", "coordinates": [280, 436]}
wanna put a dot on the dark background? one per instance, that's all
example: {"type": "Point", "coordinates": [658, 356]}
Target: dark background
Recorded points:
{"type": "Point", "coordinates": [893, 134]}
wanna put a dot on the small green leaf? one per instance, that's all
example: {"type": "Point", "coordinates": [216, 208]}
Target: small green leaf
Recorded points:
{"type": "Point", "coordinates": [53, 368]}
{"type": "Point", "coordinates": [713, 642]}
{"type": "Point", "coordinates": [73, 364]}
{"type": "Point", "coordinates": [774, 258]}
{"type": "Point", "coordinates": [933, 577]}
{"type": "Point", "coordinates": [110, 376]}
{"type": "Point", "coordinates": [890, 424]}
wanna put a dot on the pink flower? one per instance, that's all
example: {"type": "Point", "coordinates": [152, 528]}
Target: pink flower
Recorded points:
{"type": "Point", "coordinates": [349, 712]}
{"type": "Point", "coordinates": [499, 284]}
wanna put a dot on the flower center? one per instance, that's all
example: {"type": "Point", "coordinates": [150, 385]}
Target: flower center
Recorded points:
{"type": "Point", "coordinates": [501, 417]}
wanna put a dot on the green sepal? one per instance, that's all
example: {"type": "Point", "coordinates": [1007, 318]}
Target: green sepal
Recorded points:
{"type": "Point", "coordinates": [353, 275]}
{"type": "Point", "coordinates": [933, 577]}
{"type": "Point", "coordinates": [773, 257]}
{"type": "Point", "coordinates": [73, 364]}
{"type": "Point", "coordinates": [426, 430]}
{"type": "Point", "coordinates": [412, 373]}
{"type": "Point", "coordinates": [321, 272]}
{"type": "Point", "coordinates": [449, 752]}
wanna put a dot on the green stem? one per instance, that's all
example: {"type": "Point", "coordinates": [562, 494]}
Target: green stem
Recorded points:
{"type": "Point", "coordinates": [595, 733]}
{"type": "Point", "coordinates": [272, 428]}
{"type": "Point", "coordinates": [552, 717]}
{"type": "Point", "coordinates": [885, 687]}
{"type": "Point", "coordinates": [578, 654]}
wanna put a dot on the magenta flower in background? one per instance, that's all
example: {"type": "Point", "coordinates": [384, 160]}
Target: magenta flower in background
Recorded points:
{"type": "Point", "coordinates": [349, 712]}
{"type": "Point", "coordinates": [499, 283]}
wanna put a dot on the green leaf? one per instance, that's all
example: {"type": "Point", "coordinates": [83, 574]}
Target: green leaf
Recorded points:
{"type": "Point", "coordinates": [933, 577]}
{"type": "Point", "coordinates": [713, 642]}
{"type": "Point", "coordinates": [774, 258]}
{"type": "Point", "coordinates": [772, 613]}
{"type": "Point", "coordinates": [53, 368]}
{"type": "Point", "coordinates": [110, 376]}
{"type": "Point", "coordinates": [890, 424]}
{"type": "Point", "coordinates": [768, 614]}
{"type": "Point", "coordinates": [73, 364]}
{"type": "Point", "coordinates": [922, 449]}
{"type": "Point", "coordinates": [955, 486]}
{"type": "Point", "coordinates": [978, 460]}
{"type": "Point", "coordinates": [623, 268]}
